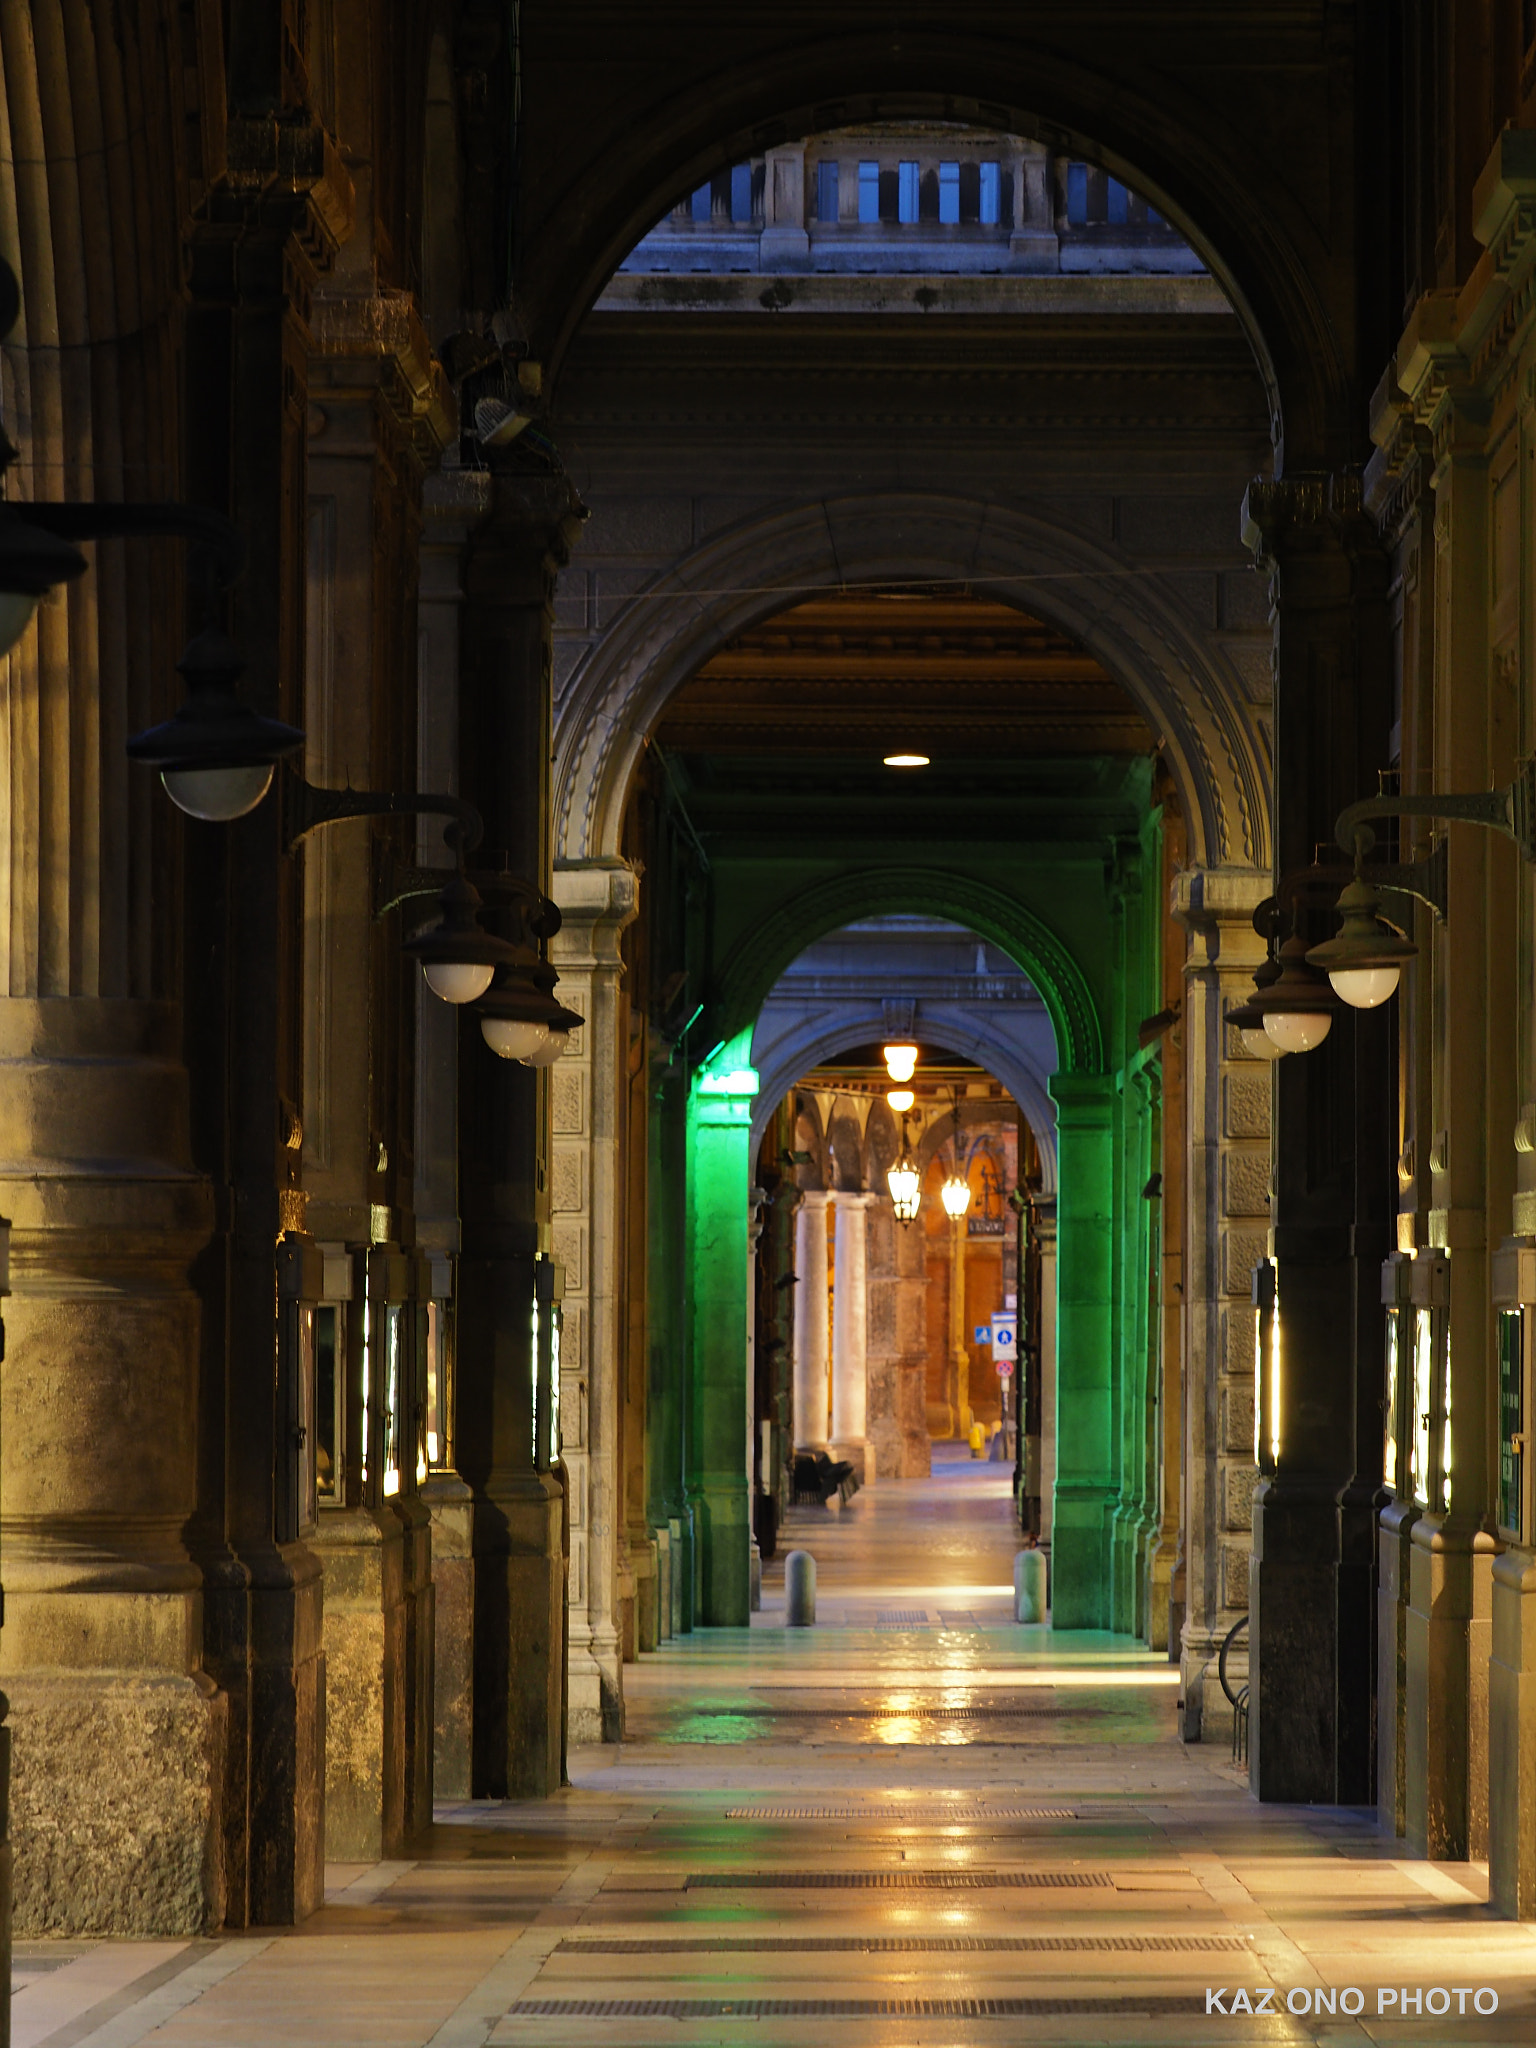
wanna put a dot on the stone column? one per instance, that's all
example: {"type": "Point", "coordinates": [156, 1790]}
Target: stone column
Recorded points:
{"type": "Point", "coordinates": [1310, 1601]}
{"type": "Point", "coordinates": [1034, 244]}
{"type": "Point", "coordinates": [850, 1330]}
{"type": "Point", "coordinates": [1084, 1481]}
{"type": "Point", "coordinates": [454, 501]}
{"type": "Point", "coordinates": [504, 724]}
{"type": "Point", "coordinates": [597, 900]}
{"type": "Point", "coordinates": [1225, 1173]}
{"type": "Point", "coordinates": [958, 1377]}
{"type": "Point", "coordinates": [897, 1444]}
{"type": "Point", "coordinates": [1046, 1224]}
{"type": "Point", "coordinates": [810, 1419]}
{"type": "Point", "coordinates": [377, 394]}
{"type": "Point", "coordinates": [784, 243]}
{"type": "Point", "coordinates": [671, 1515]}
{"type": "Point", "coordinates": [1449, 1618]}
{"type": "Point", "coordinates": [719, 1141]}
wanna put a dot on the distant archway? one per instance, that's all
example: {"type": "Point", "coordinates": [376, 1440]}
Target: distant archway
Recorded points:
{"type": "Point", "coordinates": [759, 960]}
{"type": "Point", "coordinates": [746, 573]}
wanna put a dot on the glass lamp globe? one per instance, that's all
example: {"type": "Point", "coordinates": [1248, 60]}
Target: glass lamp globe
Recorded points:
{"type": "Point", "coordinates": [457, 981]}
{"type": "Point", "coordinates": [956, 1196]}
{"type": "Point", "coordinates": [900, 1100]}
{"type": "Point", "coordinates": [217, 795]}
{"type": "Point", "coordinates": [900, 1061]}
{"type": "Point", "coordinates": [905, 1185]}
{"type": "Point", "coordinates": [1297, 1030]}
{"type": "Point", "coordinates": [1364, 988]}
{"type": "Point", "coordinates": [551, 1050]}
{"type": "Point", "coordinates": [1258, 1044]}
{"type": "Point", "coordinates": [509, 1037]}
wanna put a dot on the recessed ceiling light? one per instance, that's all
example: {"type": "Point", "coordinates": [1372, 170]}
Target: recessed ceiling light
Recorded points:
{"type": "Point", "coordinates": [906, 760]}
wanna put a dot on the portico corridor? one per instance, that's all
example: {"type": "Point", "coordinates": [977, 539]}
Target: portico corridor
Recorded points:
{"type": "Point", "coordinates": [915, 1823]}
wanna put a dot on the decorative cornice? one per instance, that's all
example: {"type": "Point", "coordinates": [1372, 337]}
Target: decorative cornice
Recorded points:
{"type": "Point", "coordinates": [385, 328]}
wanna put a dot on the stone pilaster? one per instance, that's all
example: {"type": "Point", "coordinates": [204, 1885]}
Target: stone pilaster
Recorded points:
{"type": "Point", "coordinates": [506, 626]}
{"type": "Point", "coordinates": [850, 1330]}
{"type": "Point", "coordinates": [811, 1353]}
{"type": "Point", "coordinates": [1225, 1226]}
{"type": "Point", "coordinates": [597, 900]}
{"type": "Point", "coordinates": [454, 501]}
{"type": "Point", "coordinates": [1084, 1488]}
{"type": "Point", "coordinates": [897, 1444]}
{"type": "Point", "coordinates": [1449, 1623]}
{"type": "Point", "coordinates": [719, 1139]}
{"type": "Point", "coordinates": [381, 413]}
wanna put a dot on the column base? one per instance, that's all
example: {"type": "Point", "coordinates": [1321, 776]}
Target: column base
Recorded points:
{"type": "Point", "coordinates": [1445, 1737]}
{"type": "Point", "coordinates": [647, 1632]}
{"type": "Point", "coordinates": [115, 1824]}
{"type": "Point", "coordinates": [450, 1504]}
{"type": "Point", "coordinates": [1292, 1649]}
{"type": "Point", "coordinates": [663, 1540]}
{"type": "Point", "coordinates": [1080, 1558]}
{"type": "Point", "coordinates": [594, 1692]}
{"type": "Point", "coordinates": [519, 1639]}
{"type": "Point", "coordinates": [1158, 1596]}
{"type": "Point", "coordinates": [1394, 1547]}
{"type": "Point", "coordinates": [851, 1451]}
{"type": "Point", "coordinates": [1512, 1738]}
{"type": "Point", "coordinates": [378, 1716]}
{"type": "Point", "coordinates": [722, 1570]}
{"type": "Point", "coordinates": [682, 1573]}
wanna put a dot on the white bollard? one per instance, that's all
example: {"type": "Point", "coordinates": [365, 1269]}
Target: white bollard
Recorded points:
{"type": "Point", "coordinates": [799, 1590]}
{"type": "Point", "coordinates": [1029, 1586]}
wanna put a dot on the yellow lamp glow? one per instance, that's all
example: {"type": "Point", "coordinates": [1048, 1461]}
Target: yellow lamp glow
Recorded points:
{"type": "Point", "coordinates": [900, 1061]}
{"type": "Point", "coordinates": [956, 1196]}
{"type": "Point", "coordinates": [900, 1099]}
{"type": "Point", "coordinates": [906, 760]}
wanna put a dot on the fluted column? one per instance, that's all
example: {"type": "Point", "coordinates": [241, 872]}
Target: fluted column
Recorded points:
{"type": "Point", "coordinates": [850, 1327]}
{"type": "Point", "coordinates": [810, 1420]}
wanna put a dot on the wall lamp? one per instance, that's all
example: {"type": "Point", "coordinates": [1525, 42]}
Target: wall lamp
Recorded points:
{"type": "Point", "coordinates": [1298, 991]}
{"type": "Point", "coordinates": [513, 983]}
{"type": "Point", "coordinates": [1365, 960]}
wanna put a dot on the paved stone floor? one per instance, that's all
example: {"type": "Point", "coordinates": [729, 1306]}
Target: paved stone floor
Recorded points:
{"type": "Point", "coordinates": [915, 1824]}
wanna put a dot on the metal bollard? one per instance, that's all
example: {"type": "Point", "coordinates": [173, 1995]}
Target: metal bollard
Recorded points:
{"type": "Point", "coordinates": [799, 1590]}
{"type": "Point", "coordinates": [1029, 1586]}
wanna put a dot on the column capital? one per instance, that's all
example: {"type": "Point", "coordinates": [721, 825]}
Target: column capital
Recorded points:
{"type": "Point", "coordinates": [815, 1198]}
{"type": "Point", "coordinates": [1084, 1099]}
{"type": "Point", "coordinates": [596, 900]}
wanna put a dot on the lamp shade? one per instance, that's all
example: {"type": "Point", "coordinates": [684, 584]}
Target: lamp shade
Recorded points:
{"type": "Point", "coordinates": [1299, 1007]}
{"type": "Point", "coordinates": [216, 756]}
{"type": "Point", "coordinates": [1365, 960]}
{"type": "Point", "coordinates": [458, 955]}
{"type": "Point", "coordinates": [520, 1017]}
{"type": "Point", "coordinates": [1247, 1018]}
{"type": "Point", "coordinates": [900, 1061]}
{"type": "Point", "coordinates": [905, 1184]}
{"type": "Point", "coordinates": [32, 561]}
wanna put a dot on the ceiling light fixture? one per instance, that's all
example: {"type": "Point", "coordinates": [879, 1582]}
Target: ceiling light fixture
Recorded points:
{"type": "Point", "coordinates": [900, 1099]}
{"type": "Point", "coordinates": [906, 761]}
{"type": "Point", "coordinates": [900, 1062]}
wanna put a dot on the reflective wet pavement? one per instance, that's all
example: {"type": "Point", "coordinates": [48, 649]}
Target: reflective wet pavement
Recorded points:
{"type": "Point", "coordinates": [915, 1823]}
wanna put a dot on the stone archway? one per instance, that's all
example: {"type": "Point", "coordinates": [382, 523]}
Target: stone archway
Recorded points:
{"type": "Point", "coordinates": [668, 629]}
{"type": "Point", "coordinates": [1135, 109]}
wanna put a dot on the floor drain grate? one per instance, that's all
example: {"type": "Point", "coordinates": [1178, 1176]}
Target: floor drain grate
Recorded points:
{"type": "Point", "coordinates": [898, 1880]}
{"type": "Point", "coordinates": [901, 1617]}
{"type": "Point", "coordinates": [843, 2008]}
{"type": "Point", "coordinates": [883, 1816]}
{"type": "Point", "coordinates": [923, 1945]}
{"type": "Point", "coordinates": [957, 1617]}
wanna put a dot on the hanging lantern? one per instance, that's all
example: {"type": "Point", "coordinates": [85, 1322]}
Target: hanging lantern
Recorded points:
{"type": "Point", "coordinates": [906, 1187]}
